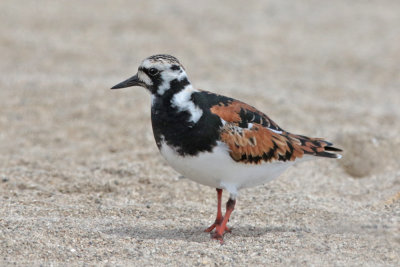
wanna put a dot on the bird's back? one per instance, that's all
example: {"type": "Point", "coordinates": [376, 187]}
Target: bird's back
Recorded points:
{"type": "Point", "coordinates": [252, 137]}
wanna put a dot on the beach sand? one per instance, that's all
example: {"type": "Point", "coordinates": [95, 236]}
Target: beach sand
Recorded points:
{"type": "Point", "coordinates": [82, 181]}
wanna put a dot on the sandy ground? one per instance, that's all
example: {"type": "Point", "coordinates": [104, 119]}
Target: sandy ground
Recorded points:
{"type": "Point", "coordinates": [82, 182]}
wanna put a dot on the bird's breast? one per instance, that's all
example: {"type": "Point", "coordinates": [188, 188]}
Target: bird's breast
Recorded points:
{"type": "Point", "coordinates": [174, 127]}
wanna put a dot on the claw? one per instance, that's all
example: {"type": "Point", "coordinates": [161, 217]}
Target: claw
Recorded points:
{"type": "Point", "coordinates": [218, 237]}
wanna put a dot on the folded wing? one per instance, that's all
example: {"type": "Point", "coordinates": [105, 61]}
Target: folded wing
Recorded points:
{"type": "Point", "coordinates": [253, 137]}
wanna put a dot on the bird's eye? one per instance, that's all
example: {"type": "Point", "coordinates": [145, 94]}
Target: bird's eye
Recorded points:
{"type": "Point", "coordinates": [153, 71]}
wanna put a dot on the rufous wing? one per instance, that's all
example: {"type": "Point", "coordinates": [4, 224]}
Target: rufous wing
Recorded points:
{"type": "Point", "coordinates": [254, 138]}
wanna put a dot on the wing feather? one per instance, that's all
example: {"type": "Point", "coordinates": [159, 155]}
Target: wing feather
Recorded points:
{"type": "Point", "coordinates": [252, 137]}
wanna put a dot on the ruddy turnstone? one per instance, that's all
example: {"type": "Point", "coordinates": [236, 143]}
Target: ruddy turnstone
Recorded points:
{"type": "Point", "coordinates": [217, 140]}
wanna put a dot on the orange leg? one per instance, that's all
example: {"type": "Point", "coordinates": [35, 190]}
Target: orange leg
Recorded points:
{"type": "Point", "coordinates": [221, 221]}
{"type": "Point", "coordinates": [221, 228]}
{"type": "Point", "coordinates": [219, 218]}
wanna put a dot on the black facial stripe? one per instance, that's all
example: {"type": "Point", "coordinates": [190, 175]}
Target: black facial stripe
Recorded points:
{"type": "Point", "coordinates": [157, 81]}
{"type": "Point", "coordinates": [147, 71]}
{"type": "Point", "coordinates": [175, 67]}
{"type": "Point", "coordinates": [153, 71]}
{"type": "Point", "coordinates": [175, 86]}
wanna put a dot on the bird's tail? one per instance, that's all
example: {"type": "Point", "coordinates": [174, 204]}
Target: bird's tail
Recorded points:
{"type": "Point", "coordinates": [317, 147]}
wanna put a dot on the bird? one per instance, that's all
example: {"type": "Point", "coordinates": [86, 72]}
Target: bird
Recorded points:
{"type": "Point", "coordinates": [216, 140]}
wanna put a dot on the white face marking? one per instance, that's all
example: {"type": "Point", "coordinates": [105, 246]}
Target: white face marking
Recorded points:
{"type": "Point", "coordinates": [167, 74]}
{"type": "Point", "coordinates": [182, 101]}
{"type": "Point", "coordinates": [151, 64]}
{"type": "Point", "coordinates": [144, 78]}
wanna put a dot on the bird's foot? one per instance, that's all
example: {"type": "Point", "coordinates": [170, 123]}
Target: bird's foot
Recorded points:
{"type": "Point", "coordinates": [217, 224]}
{"type": "Point", "coordinates": [220, 230]}
{"type": "Point", "coordinates": [218, 237]}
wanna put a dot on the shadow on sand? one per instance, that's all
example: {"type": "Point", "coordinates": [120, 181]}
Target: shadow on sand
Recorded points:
{"type": "Point", "coordinates": [195, 233]}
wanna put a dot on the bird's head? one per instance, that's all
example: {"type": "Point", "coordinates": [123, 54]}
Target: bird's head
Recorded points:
{"type": "Point", "coordinates": [158, 74]}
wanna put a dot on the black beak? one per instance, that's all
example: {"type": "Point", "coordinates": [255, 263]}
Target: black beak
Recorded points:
{"type": "Point", "coordinates": [132, 81]}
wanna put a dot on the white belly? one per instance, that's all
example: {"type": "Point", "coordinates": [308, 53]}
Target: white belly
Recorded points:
{"type": "Point", "coordinates": [217, 169]}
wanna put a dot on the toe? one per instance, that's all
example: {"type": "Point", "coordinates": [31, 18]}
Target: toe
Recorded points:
{"type": "Point", "coordinates": [218, 237]}
{"type": "Point", "coordinates": [209, 229]}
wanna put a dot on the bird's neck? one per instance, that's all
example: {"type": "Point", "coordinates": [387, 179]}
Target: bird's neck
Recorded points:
{"type": "Point", "coordinates": [170, 84]}
{"type": "Point", "coordinates": [176, 101]}
{"type": "Point", "coordinates": [169, 87]}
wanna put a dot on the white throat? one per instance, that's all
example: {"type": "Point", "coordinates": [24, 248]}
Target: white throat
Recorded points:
{"type": "Point", "coordinates": [167, 77]}
{"type": "Point", "coordinates": [182, 101]}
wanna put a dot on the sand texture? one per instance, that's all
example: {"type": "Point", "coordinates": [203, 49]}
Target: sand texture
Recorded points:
{"type": "Point", "coordinates": [82, 181]}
